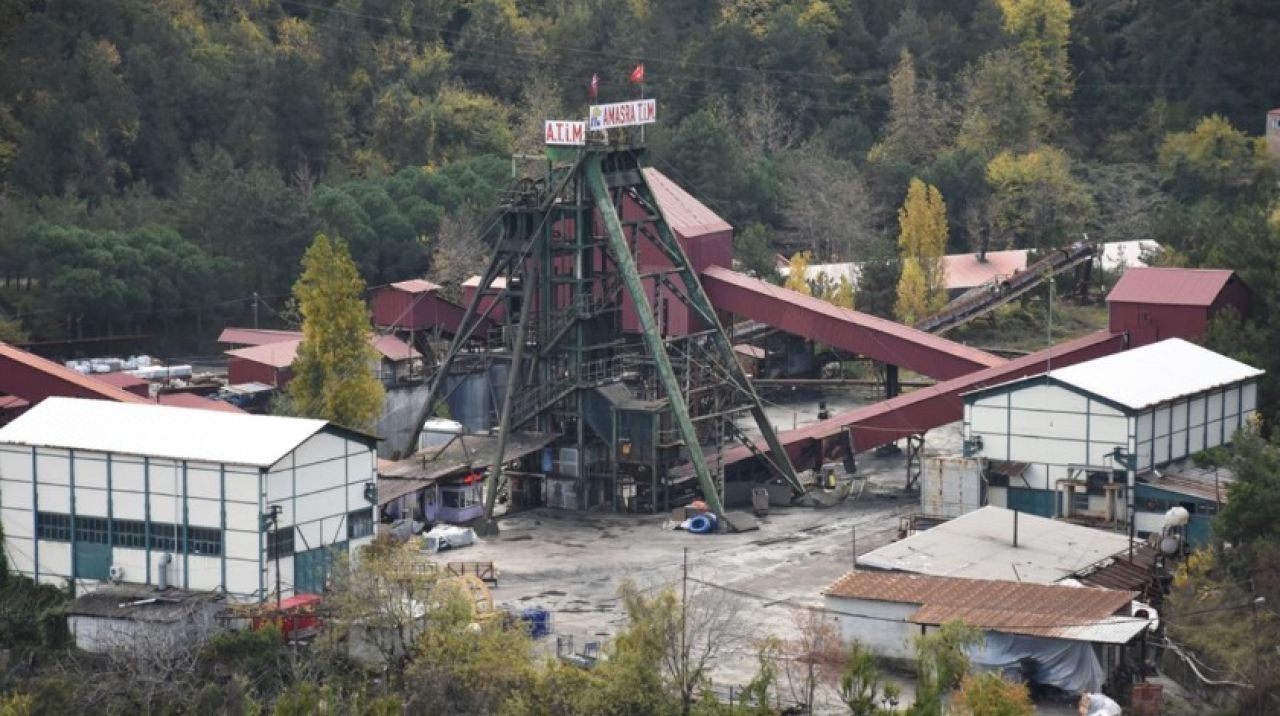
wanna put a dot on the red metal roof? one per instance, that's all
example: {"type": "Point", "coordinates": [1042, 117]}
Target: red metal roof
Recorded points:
{"type": "Point", "coordinates": [684, 214]}
{"type": "Point", "coordinates": [191, 400]}
{"type": "Point", "coordinates": [120, 379]}
{"type": "Point", "coordinates": [1016, 607]}
{"type": "Point", "coordinates": [965, 271]}
{"type": "Point", "coordinates": [415, 285]}
{"type": "Point", "coordinates": [1170, 286]}
{"type": "Point", "coordinates": [282, 354]}
{"type": "Point", "coordinates": [926, 408]}
{"type": "Point", "coordinates": [256, 336]}
{"type": "Point", "coordinates": [33, 378]}
{"type": "Point", "coordinates": [850, 330]}
{"type": "Point", "coordinates": [12, 402]}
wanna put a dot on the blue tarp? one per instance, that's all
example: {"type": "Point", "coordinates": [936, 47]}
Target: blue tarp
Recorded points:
{"type": "Point", "coordinates": [1069, 665]}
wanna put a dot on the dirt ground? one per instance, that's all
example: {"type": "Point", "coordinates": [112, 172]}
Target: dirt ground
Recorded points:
{"type": "Point", "coordinates": [573, 563]}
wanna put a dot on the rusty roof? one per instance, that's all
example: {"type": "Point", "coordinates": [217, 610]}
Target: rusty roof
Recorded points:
{"type": "Point", "coordinates": [281, 354]}
{"type": "Point", "coordinates": [119, 379]}
{"type": "Point", "coordinates": [684, 214]}
{"type": "Point", "coordinates": [191, 400]}
{"type": "Point", "coordinates": [1170, 286]}
{"type": "Point", "coordinates": [1006, 606]}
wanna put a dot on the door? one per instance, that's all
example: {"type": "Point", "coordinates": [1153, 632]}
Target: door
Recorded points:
{"type": "Point", "coordinates": [311, 568]}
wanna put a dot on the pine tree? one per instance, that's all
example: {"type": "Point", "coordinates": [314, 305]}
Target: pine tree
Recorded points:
{"type": "Point", "coordinates": [333, 373]}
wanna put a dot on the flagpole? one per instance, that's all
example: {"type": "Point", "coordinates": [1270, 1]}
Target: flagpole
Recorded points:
{"type": "Point", "coordinates": [642, 97]}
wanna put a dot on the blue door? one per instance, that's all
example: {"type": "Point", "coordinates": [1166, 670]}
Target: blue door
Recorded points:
{"type": "Point", "coordinates": [92, 560]}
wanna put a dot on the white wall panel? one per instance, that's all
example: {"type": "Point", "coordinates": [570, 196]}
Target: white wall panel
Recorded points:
{"type": "Point", "coordinates": [1046, 450]}
{"type": "Point", "coordinates": [242, 517]}
{"type": "Point", "coordinates": [55, 560]}
{"type": "Point", "coordinates": [129, 506]}
{"type": "Point", "coordinates": [240, 545]}
{"type": "Point", "coordinates": [204, 513]}
{"type": "Point", "coordinates": [204, 480]}
{"type": "Point", "coordinates": [203, 573]}
{"type": "Point", "coordinates": [321, 447]}
{"type": "Point", "coordinates": [1197, 440]}
{"type": "Point", "coordinates": [1108, 429]}
{"type": "Point", "coordinates": [309, 536]}
{"type": "Point", "coordinates": [20, 551]}
{"type": "Point", "coordinates": [91, 470]}
{"type": "Point", "coordinates": [53, 466]}
{"type": "Point", "coordinates": [127, 475]}
{"type": "Point", "coordinates": [242, 486]}
{"type": "Point", "coordinates": [1231, 402]}
{"type": "Point", "coordinates": [91, 502]}
{"type": "Point", "coordinates": [1179, 412]}
{"type": "Point", "coordinates": [319, 505]}
{"type": "Point", "coordinates": [16, 522]}
{"type": "Point", "coordinates": [1144, 426]}
{"type": "Point", "coordinates": [54, 498]}
{"type": "Point", "coordinates": [361, 466]}
{"type": "Point", "coordinates": [1249, 396]}
{"type": "Point", "coordinates": [1047, 397]}
{"type": "Point", "coordinates": [1067, 426]}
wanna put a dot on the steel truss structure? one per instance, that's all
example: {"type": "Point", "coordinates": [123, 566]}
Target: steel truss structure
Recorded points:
{"type": "Point", "coordinates": [563, 268]}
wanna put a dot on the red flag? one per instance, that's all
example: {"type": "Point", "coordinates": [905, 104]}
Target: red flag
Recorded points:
{"type": "Point", "coordinates": [637, 75]}
{"type": "Point", "coordinates": [595, 86]}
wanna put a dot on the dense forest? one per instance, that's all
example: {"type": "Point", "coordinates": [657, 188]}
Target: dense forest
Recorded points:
{"type": "Point", "coordinates": [161, 161]}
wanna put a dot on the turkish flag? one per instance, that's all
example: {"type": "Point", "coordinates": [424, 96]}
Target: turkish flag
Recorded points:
{"type": "Point", "coordinates": [637, 75]}
{"type": "Point", "coordinates": [595, 86]}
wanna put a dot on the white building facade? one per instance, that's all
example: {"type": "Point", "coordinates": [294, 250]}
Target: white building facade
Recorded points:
{"type": "Point", "coordinates": [94, 491]}
{"type": "Point", "coordinates": [1071, 441]}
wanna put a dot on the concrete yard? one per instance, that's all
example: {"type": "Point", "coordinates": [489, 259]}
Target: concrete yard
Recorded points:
{"type": "Point", "coordinates": [573, 563]}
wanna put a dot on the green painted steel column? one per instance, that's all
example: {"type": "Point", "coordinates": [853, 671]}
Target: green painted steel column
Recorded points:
{"type": "Point", "coordinates": [71, 476]}
{"type": "Point", "coordinates": [649, 330]}
{"type": "Point", "coordinates": [146, 508]}
{"type": "Point", "coordinates": [186, 532]}
{"type": "Point", "coordinates": [35, 517]}
{"type": "Point", "coordinates": [111, 514]}
{"type": "Point", "coordinates": [702, 304]}
{"type": "Point", "coordinates": [222, 524]}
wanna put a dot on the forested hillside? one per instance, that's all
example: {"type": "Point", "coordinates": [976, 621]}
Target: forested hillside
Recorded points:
{"type": "Point", "coordinates": [162, 160]}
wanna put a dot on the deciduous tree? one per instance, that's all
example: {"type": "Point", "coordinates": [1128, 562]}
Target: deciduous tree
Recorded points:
{"type": "Point", "coordinates": [922, 237]}
{"type": "Point", "coordinates": [1036, 202]}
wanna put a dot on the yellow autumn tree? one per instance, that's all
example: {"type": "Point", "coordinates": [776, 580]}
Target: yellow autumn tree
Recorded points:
{"type": "Point", "coordinates": [912, 304]}
{"type": "Point", "coordinates": [797, 273]}
{"type": "Point", "coordinates": [333, 376]}
{"type": "Point", "coordinates": [1042, 29]}
{"type": "Point", "coordinates": [922, 238]}
{"type": "Point", "coordinates": [840, 293]}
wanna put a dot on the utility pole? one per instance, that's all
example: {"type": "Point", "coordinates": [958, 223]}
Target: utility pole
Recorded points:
{"type": "Point", "coordinates": [684, 615]}
{"type": "Point", "coordinates": [273, 518]}
{"type": "Point", "coordinates": [255, 309]}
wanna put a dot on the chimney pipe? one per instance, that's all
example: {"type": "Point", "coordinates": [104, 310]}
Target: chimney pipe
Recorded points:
{"type": "Point", "coordinates": [1015, 528]}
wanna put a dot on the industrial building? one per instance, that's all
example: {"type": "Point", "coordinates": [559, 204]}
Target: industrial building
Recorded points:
{"type": "Point", "coordinates": [267, 356]}
{"type": "Point", "coordinates": [93, 491]}
{"type": "Point", "coordinates": [1071, 441]}
{"type": "Point", "coordinates": [1151, 304]}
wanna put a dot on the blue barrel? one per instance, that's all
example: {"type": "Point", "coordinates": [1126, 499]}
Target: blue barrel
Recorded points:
{"type": "Point", "coordinates": [702, 524]}
{"type": "Point", "coordinates": [539, 621]}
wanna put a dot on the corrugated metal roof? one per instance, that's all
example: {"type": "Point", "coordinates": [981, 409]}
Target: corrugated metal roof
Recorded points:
{"type": "Point", "coordinates": [119, 379]}
{"type": "Point", "coordinates": [415, 285]}
{"type": "Point", "coordinates": [979, 545]}
{"type": "Point", "coordinates": [498, 284]}
{"type": "Point", "coordinates": [965, 271]}
{"type": "Point", "coordinates": [256, 336]}
{"type": "Point", "coordinates": [66, 375]}
{"type": "Point", "coordinates": [1155, 373]}
{"type": "Point", "coordinates": [999, 605]}
{"type": "Point", "coordinates": [159, 431]}
{"type": "Point", "coordinates": [1201, 486]}
{"type": "Point", "coordinates": [684, 214]}
{"type": "Point", "coordinates": [394, 349]}
{"type": "Point", "coordinates": [1171, 286]}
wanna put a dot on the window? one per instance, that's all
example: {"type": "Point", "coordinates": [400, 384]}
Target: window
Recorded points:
{"type": "Point", "coordinates": [359, 524]}
{"type": "Point", "coordinates": [1079, 501]}
{"type": "Point", "coordinates": [129, 533]}
{"type": "Point", "coordinates": [280, 542]}
{"type": "Point", "coordinates": [165, 537]}
{"type": "Point", "coordinates": [205, 541]}
{"type": "Point", "coordinates": [91, 529]}
{"type": "Point", "coordinates": [53, 526]}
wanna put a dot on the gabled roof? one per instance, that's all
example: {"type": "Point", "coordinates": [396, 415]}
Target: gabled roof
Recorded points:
{"type": "Point", "coordinates": [415, 285]}
{"type": "Point", "coordinates": [498, 283]}
{"type": "Point", "coordinates": [1170, 286]}
{"type": "Point", "coordinates": [282, 354]}
{"type": "Point", "coordinates": [1155, 373]}
{"type": "Point", "coordinates": [1000, 605]}
{"type": "Point", "coordinates": [684, 214]}
{"type": "Point", "coordinates": [191, 400]}
{"type": "Point", "coordinates": [160, 431]}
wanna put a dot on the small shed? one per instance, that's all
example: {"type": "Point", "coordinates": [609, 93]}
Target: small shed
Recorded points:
{"type": "Point", "coordinates": [133, 616]}
{"type": "Point", "coordinates": [1153, 304]}
{"type": "Point", "coordinates": [1083, 432]}
{"type": "Point", "coordinates": [1202, 492]}
{"type": "Point", "coordinates": [1058, 627]}
{"type": "Point", "coordinates": [272, 363]}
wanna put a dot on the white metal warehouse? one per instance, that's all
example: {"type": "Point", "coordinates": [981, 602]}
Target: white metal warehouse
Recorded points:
{"type": "Point", "coordinates": [93, 490]}
{"type": "Point", "coordinates": [1071, 441]}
